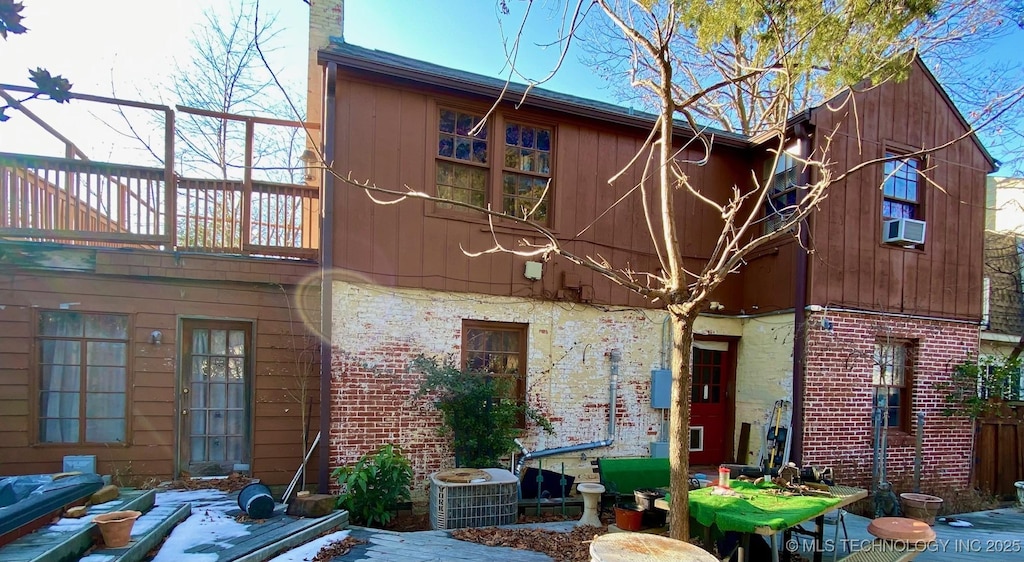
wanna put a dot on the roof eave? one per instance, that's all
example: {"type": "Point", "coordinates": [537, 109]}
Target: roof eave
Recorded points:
{"type": "Point", "coordinates": [535, 99]}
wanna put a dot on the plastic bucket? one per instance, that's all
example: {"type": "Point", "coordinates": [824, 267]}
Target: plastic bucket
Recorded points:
{"type": "Point", "coordinates": [921, 507]}
{"type": "Point", "coordinates": [628, 518]}
{"type": "Point", "coordinates": [256, 501]}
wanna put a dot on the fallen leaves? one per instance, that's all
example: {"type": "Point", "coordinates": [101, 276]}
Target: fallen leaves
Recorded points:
{"type": "Point", "coordinates": [573, 546]}
{"type": "Point", "coordinates": [336, 548]}
{"type": "Point", "coordinates": [232, 483]}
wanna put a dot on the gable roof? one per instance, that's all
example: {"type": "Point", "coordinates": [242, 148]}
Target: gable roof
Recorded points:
{"type": "Point", "coordinates": [382, 63]}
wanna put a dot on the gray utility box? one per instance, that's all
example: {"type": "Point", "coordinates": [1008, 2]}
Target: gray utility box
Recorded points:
{"type": "Point", "coordinates": [661, 389]}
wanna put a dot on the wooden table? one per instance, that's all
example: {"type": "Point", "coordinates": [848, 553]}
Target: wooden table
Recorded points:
{"type": "Point", "coordinates": [762, 511]}
{"type": "Point", "coordinates": [643, 547]}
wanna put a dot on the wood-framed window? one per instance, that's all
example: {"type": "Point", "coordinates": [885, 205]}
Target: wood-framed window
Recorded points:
{"type": "Point", "coordinates": [782, 188]}
{"type": "Point", "coordinates": [901, 193]}
{"type": "Point", "coordinates": [462, 158]}
{"type": "Point", "coordinates": [892, 379]}
{"type": "Point", "coordinates": [83, 377]}
{"type": "Point", "coordinates": [526, 172]}
{"type": "Point", "coordinates": [519, 186]}
{"type": "Point", "coordinates": [498, 349]}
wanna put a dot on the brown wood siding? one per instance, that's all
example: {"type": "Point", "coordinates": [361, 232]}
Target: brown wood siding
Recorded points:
{"type": "Point", "coordinates": [385, 133]}
{"type": "Point", "coordinates": [850, 267]}
{"type": "Point", "coordinates": [153, 304]}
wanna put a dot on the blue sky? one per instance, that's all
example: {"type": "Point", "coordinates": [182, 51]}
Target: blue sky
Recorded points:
{"type": "Point", "coordinates": [130, 44]}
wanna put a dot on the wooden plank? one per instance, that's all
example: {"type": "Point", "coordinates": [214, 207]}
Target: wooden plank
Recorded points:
{"type": "Point", "coordinates": [312, 528]}
{"type": "Point", "coordinates": [386, 167]}
{"type": "Point", "coordinates": [1006, 469]}
{"type": "Point", "coordinates": [1020, 450]}
{"type": "Point", "coordinates": [414, 149]}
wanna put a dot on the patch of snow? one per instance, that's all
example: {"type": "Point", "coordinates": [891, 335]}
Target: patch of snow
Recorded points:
{"type": "Point", "coordinates": [209, 524]}
{"type": "Point", "coordinates": [306, 552]}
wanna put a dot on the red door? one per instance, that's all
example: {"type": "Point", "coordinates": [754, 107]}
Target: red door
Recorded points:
{"type": "Point", "coordinates": [711, 404]}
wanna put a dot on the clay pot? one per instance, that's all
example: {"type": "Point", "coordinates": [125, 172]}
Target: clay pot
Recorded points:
{"type": "Point", "coordinates": [116, 527]}
{"type": "Point", "coordinates": [921, 506]}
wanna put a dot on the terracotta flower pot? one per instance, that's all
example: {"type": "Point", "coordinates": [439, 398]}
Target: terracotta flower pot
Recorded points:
{"type": "Point", "coordinates": [116, 527]}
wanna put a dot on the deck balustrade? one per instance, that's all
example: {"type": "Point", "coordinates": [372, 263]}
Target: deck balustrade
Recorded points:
{"type": "Point", "coordinates": [74, 200]}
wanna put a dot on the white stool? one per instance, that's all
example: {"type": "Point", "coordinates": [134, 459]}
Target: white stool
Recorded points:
{"type": "Point", "coordinates": [591, 501]}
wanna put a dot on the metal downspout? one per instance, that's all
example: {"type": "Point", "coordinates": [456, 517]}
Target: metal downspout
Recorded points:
{"type": "Point", "coordinates": [326, 294]}
{"type": "Point", "coordinates": [800, 314]}
{"type": "Point", "coordinates": [614, 356]}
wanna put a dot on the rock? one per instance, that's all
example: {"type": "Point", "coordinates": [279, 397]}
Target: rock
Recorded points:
{"type": "Point", "coordinates": [76, 512]}
{"type": "Point", "coordinates": [105, 494]}
{"type": "Point", "coordinates": [313, 505]}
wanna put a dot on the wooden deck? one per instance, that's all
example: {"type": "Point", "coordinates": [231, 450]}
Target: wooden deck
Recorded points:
{"type": "Point", "coordinates": [270, 537]}
{"type": "Point", "coordinates": [68, 539]}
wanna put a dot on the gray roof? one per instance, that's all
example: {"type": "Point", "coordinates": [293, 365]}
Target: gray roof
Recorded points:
{"type": "Point", "coordinates": [370, 60]}
{"type": "Point", "coordinates": [1002, 267]}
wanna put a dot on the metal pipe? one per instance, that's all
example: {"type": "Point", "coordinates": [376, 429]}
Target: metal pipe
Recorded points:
{"type": "Point", "coordinates": [528, 455]}
{"type": "Point", "coordinates": [918, 453]}
{"type": "Point", "coordinates": [796, 425]}
{"type": "Point", "coordinates": [326, 264]}
{"type": "Point", "coordinates": [819, 308]}
{"type": "Point", "coordinates": [614, 356]}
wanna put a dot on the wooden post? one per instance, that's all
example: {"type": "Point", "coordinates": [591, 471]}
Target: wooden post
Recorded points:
{"type": "Point", "coordinates": [170, 183]}
{"type": "Point", "coordinates": [247, 187]}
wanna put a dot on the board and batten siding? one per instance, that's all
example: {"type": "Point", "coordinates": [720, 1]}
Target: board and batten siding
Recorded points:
{"type": "Point", "coordinates": [156, 291]}
{"type": "Point", "coordinates": [850, 266]}
{"type": "Point", "coordinates": [385, 131]}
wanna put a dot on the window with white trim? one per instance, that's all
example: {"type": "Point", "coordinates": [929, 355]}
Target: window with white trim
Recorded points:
{"type": "Point", "coordinates": [782, 188]}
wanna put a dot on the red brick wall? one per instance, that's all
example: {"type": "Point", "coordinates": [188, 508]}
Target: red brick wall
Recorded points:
{"type": "Point", "coordinates": [372, 404]}
{"type": "Point", "coordinates": [837, 407]}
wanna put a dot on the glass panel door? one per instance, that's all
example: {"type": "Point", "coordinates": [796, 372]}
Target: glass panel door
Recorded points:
{"type": "Point", "coordinates": [215, 391]}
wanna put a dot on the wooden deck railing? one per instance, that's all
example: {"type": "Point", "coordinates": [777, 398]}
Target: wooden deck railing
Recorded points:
{"type": "Point", "coordinates": [97, 203]}
{"type": "Point", "coordinates": [74, 200]}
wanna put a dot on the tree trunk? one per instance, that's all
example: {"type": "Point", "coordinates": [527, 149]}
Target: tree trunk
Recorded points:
{"type": "Point", "coordinates": [679, 422]}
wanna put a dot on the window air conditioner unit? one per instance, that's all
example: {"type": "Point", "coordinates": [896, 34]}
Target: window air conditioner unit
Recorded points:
{"type": "Point", "coordinates": [903, 231]}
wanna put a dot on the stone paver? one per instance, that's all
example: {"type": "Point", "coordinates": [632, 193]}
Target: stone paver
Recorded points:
{"type": "Point", "coordinates": [435, 546]}
{"type": "Point", "coordinates": [996, 536]}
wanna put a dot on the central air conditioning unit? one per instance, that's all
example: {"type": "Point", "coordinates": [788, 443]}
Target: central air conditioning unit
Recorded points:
{"type": "Point", "coordinates": [903, 231]}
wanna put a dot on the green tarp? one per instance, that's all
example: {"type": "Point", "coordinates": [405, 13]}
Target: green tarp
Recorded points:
{"type": "Point", "coordinates": [755, 508]}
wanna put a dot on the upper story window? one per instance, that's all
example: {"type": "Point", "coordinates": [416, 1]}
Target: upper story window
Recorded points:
{"type": "Point", "coordinates": [527, 172]}
{"type": "Point", "coordinates": [498, 349]}
{"type": "Point", "coordinates": [83, 364]}
{"type": "Point", "coordinates": [782, 192]}
{"type": "Point", "coordinates": [892, 380]}
{"type": "Point", "coordinates": [901, 198]}
{"type": "Point", "coordinates": [462, 168]}
{"type": "Point", "coordinates": [464, 172]}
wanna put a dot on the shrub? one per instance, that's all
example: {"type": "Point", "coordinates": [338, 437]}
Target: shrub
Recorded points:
{"type": "Point", "coordinates": [373, 486]}
{"type": "Point", "coordinates": [977, 386]}
{"type": "Point", "coordinates": [482, 424]}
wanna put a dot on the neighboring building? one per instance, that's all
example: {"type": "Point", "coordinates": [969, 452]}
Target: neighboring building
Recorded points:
{"type": "Point", "coordinates": [153, 320]}
{"type": "Point", "coordinates": [405, 287]}
{"type": "Point", "coordinates": [1003, 321]}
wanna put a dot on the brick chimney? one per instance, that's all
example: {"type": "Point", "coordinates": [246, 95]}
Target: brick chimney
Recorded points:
{"type": "Point", "coordinates": [326, 18]}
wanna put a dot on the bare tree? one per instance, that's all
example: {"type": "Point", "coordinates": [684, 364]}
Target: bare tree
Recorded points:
{"type": "Point", "coordinates": [773, 55]}
{"type": "Point", "coordinates": [955, 32]}
{"type": "Point", "coordinates": [226, 74]}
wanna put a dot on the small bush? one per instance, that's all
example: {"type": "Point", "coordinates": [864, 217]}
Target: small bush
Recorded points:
{"type": "Point", "coordinates": [481, 422]}
{"type": "Point", "coordinates": [372, 488]}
